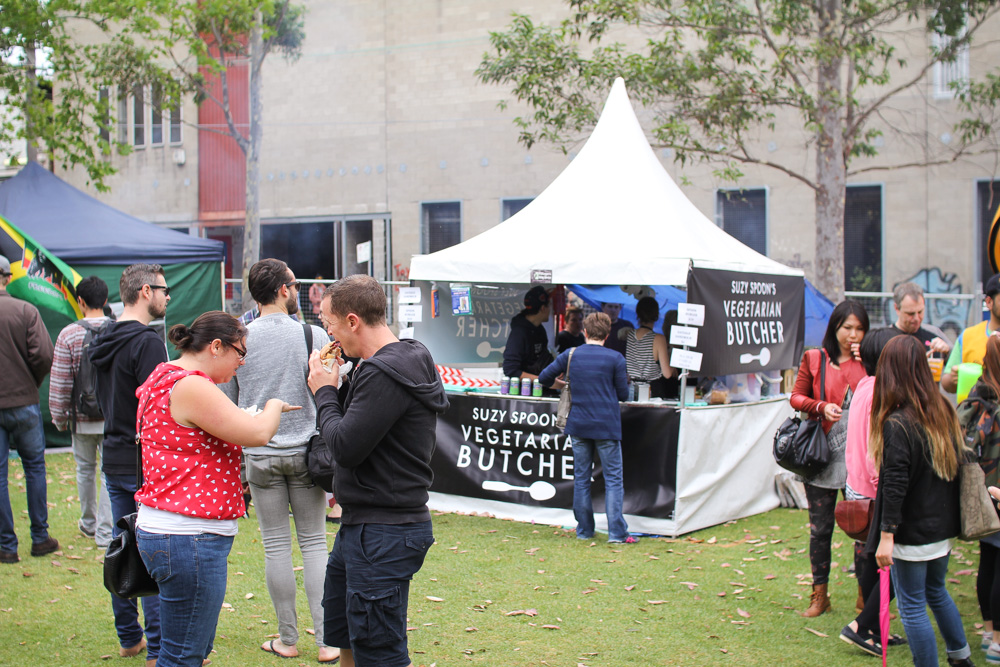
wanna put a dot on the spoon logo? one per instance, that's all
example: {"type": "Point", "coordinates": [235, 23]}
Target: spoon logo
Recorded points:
{"type": "Point", "coordinates": [538, 490]}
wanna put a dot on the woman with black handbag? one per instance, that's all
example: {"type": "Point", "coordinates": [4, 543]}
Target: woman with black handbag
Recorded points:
{"type": "Point", "coordinates": [838, 361]}
{"type": "Point", "coordinates": [192, 436]}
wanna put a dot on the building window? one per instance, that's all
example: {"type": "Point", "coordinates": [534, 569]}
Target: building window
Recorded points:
{"type": "Point", "coordinates": [174, 116]}
{"type": "Point", "coordinates": [122, 115]}
{"type": "Point", "coordinates": [947, 74]}
{"type": "Point", "coordinates": [138, 117]}
{"type": "Point", "coordinates": [863, 238]}
{"type": "Point", "coordinates": [440, 226]}
{"type": "Point", "coordinates": [988, 200]}
{"type": "Point", "coordinates": [511, 207]}
{"type": "Point", "coordinates": [743, 215]}
{"type": "Point", "coordinates": [156, 117]}
{"type": "Point", "coordinates": [104, 106]}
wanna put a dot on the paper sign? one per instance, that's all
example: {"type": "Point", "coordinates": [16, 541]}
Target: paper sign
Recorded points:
{"type": "Point", "coordinates": [541, 276]}
{"type": "Point", "coordinates": [405, 333]}
{"type": "Point", "coordinates": [409, 295]}
{"type": "Point", "coordinates": [410, 313]}
{"type": "Point", "coordinates": [461, 299]}
{"type": "Point", "coordinates": [686, 359]}
{"type": "Point", "coordinates": [681, 336]}
{"type": "Point", "coordinates": [690, 313]}
{"type": "Point", "coordinates": [364, 252]}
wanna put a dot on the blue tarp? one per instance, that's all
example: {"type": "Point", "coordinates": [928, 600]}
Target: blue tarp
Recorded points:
{"type": "Point", "coordinates": [818, 307]}
{"type": "Point", "coordinates": [79, 229]}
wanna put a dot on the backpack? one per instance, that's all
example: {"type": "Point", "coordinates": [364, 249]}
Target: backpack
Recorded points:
{"type": "Point", "coordinates": [84, 398]}
{"type": "Point", "coordinates": [319, 456]}
{"type": "Point", "coordinates": [979, 418]}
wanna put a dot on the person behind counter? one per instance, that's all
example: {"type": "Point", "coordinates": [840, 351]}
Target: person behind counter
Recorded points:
{"type": "Point", "coordinates": [646, 351]}
{"type": "Point", "coordinates": [572, 335]}
{"type": "Point", "coordinates": [527, 350]}
{"type": "Point", "coordinates": [594, 425]}
{"type": "Point", "coordinates": [616, 341]}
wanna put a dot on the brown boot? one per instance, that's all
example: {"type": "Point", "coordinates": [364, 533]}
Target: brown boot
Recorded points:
{"type": "Point", "coordinates": [819, 603]}
{"type": "Point", "coordinates": [859, 605]}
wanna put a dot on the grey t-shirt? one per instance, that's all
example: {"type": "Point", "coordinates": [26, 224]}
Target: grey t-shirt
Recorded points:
{"type": "Point", "coordinates": [277, 365]}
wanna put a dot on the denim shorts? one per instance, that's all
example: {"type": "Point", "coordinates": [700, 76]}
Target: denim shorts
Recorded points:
{"type": "Point", "coordinates": [368, 587]}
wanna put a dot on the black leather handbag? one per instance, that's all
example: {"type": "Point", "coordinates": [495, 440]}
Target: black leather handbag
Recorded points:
{"type": "Point", "coordinates": [800, 445]}
{"type": "Point", "coordinates": [319, 458]}
{"type": "Point", "coordinates": [125, 573]}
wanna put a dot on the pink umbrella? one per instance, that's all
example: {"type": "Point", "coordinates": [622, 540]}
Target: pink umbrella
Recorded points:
{"type": "Point", "coordinates": [883, 611]}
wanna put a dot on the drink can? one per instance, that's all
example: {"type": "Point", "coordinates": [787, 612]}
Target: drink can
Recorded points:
{"type": "Point", "coordinates": [526, 387]}
{"type": "Point", "coordinates": [505, 385]}
{"type": "Point", "coordinates": [515, 386]}
{"type": "Point", "coordinates": [536, 389]}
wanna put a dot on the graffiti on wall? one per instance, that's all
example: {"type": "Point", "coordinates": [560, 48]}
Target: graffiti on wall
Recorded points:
{"type": "Point", "coordinates": [949, 315]}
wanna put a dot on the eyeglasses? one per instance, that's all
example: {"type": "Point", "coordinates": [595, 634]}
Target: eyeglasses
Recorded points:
{"type": "Point", "coordinates": [166, 290]}
{"type": "Point", "coordinates": [294, 284]}
{"type": "Point", "coordinates": [242, 352]}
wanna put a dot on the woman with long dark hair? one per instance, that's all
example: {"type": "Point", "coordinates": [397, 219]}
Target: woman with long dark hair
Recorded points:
{"type": "Point", "coordinates": [839, 362]}
{"type": "Point", "coordinates": [977, 415]}
{"type": "Point", "coordinates": [916, 441]}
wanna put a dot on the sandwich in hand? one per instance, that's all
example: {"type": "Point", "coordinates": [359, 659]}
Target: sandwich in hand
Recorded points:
{"type": "Point", "coordinates": [329, 355]}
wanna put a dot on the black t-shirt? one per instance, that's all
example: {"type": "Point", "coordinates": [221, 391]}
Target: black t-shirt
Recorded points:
{"type": "Point", "coordinates": [566, 340]}
{"type": "Point", "coordinates": [922, 334]}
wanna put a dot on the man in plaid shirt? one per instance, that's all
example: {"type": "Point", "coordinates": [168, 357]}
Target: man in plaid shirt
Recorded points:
{"type": "Point", "coordinates": [87, 431]}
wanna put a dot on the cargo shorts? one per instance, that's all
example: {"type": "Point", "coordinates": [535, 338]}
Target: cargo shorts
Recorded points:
{"type": "Point", "coordinates": [367, 589]}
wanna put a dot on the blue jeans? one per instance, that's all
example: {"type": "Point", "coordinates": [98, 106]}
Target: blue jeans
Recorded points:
{"type": "Point", "coordinates": [191, 571]}
{"type": "Point", "coordinates": [920, 584]}
{"type": "Point", "coordinates": [121, 491]}
{"type": "Point", "coordinates": [610, 454]}
{"type": "Point", "coordinates": [21, 430]}
{"type": "Point", "coordinates": [368, 587]}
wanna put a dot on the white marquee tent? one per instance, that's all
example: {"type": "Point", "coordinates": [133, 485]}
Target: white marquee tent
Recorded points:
{"type": "Point", "coordinates": [614, 216]}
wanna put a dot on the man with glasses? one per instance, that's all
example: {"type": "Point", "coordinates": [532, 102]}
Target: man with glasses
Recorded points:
{"type": "Point", "coordinates": [123, 357]}
{"type": "Point", "coordinates": [276, 367]}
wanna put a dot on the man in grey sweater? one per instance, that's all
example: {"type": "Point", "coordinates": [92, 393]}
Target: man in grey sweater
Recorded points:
{"type": "Point", "coordinates": [276, 367]}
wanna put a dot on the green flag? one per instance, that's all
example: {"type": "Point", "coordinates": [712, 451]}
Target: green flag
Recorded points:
{"type": "Point", "coordinates": [39, 277]}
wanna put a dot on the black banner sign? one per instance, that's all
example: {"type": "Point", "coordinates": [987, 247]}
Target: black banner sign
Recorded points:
{"type": "Point", "coordinates": [509, 450]}
{"type": "Point", "coordinates": [753, 321]}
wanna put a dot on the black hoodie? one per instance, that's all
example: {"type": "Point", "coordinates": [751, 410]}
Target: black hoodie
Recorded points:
{"type": "Point", "coordinates": [123, 357]}
{"type": "Point", "coordinates": [384, 434]}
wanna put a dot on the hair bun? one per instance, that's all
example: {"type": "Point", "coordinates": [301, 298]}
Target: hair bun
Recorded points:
{"type": "Point", "coordinates": [180, 336]}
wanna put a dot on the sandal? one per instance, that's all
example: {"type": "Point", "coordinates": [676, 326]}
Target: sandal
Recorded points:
{"type": "Point", "coordinates": [866, 644]}
{"type": "Point", "coordinates": [269, 648]}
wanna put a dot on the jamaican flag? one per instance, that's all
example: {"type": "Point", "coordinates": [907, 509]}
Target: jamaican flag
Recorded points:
{"type": "Point", "coordinates": [39, 278]}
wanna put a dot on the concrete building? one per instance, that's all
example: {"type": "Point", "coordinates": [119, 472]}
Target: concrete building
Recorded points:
{"type": "Point", "coordinates": [381, 132]}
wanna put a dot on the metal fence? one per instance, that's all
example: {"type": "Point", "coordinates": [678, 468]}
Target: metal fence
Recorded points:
{"type": "Point", "coordinates": [234, 305]}
{"type": "Point", "coordinates": [949, 312]}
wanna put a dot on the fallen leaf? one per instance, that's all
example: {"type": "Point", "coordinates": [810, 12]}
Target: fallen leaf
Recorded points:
{"type": "Point", "coordinates": [690, 584]}
{"type": "Point", "coordinates": [743, 613]}
{"type": "Point", "coordinates": [656, 601]}
{"type": "Point", "coordinates": [770, 577]}
{"type": "Point", "coordinates": [469, 629]}
{"type": "Point", "coordinates": [248, 596]}
{"type": "Point", "coordinates": [433, 598]}
{"type": "Point", "coordinates": [551, 627]}
{"type": "Point", "coordinates": [816, 632]}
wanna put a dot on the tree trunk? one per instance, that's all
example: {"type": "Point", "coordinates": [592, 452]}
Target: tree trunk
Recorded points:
{"type": "Point", "coordinates": [31, 97]}
{"type": "Point", "coordinates": [251, 229]}
{"type": "Point", "coordinates": [831, 171]}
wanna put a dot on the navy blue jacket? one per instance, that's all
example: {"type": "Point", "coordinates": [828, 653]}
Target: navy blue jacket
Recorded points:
{"type": "Point", "coordinates": [598, 381]}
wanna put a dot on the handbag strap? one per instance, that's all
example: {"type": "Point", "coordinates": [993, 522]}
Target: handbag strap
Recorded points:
{"type": "Point", "coordinates": [822, 375]}
{"type": "Point", "coordinates": [569, 360]}
{"type": "Point", "coordinates": [138, 434]}
{"type": "Point", "coordinates": [308, 331]}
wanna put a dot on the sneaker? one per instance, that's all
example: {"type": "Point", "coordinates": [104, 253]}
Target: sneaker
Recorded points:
{"type": "Point", "coordinates": [9, 557]}
{"type": "Point", "coordinates": [993, 654]}
{"type": "Point", "coordinates": [628, 540]}
{"type": "Point", "coordinates": [86, 533]}
{"type": "Point", "coordinates": [45, 548]}
{"type": "Point", "coordinates": [866, 644]}
{"type": "Point", "coordinates": [987, 640]}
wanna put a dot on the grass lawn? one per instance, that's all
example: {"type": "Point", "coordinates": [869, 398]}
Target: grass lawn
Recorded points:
{"type": "Point", "coordinates": [725, 595]}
